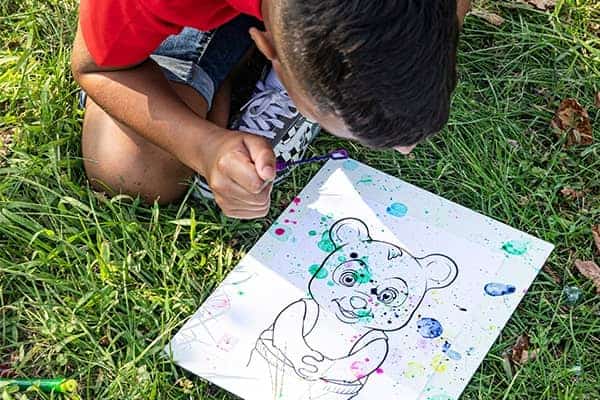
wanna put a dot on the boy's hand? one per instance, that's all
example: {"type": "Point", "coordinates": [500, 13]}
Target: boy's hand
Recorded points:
{"type": "Point", "coordinates": [237, 165]}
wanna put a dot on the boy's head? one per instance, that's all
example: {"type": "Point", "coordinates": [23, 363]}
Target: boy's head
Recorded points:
{"type": "Point", "coordinates": [381, 72]}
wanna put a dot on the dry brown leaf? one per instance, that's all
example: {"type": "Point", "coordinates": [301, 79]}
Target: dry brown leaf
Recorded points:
{"type": "Point", "coordinates": [572, 120]}
{"type": "Point", "coordinates": [596, 235]}
{"type": "Point", "coordinates": [6, 138]}
{"type": "Point", "coordinates": [597, 100]}
{"type": "Point", "coordinates": [573, 194]}
{"type": "Point", "coordinates": [528, 356]}
{"type": "Point", "coordinates": [555, 277]}
{"type": "Point", "coordinates": [520, 346]}
{"type": "Point", "coordinates": [542, 4]}
{"type": "Point", "coordinates": [590, 270]}
{"type": "Point", "coordinates": [488, 16]}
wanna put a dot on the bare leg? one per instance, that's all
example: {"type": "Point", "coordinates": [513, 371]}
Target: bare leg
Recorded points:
{"type": "Point", "coordinates": [118, 160]}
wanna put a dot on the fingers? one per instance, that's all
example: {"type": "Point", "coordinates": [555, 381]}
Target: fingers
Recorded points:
{"type": "Point", "coordinates": [239, 204]}
{"type": "Point", "coordinates": [240, 169]}
{"type": "Point", "coordinates": [261, 154]}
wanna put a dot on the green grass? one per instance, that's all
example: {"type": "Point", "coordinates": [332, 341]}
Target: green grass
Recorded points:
{"type": "Point", "coordinates": [93, 288]}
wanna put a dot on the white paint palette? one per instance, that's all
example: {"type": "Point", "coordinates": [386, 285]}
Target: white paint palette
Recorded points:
{"type": "Point", "coordinates": [365, 287]}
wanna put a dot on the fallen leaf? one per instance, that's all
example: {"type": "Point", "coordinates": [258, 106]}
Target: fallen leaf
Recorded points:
{"type": "Point", "coordinates": [542, 4]}
{"type": "Point", "coordinates": [555, 277]}
{"type": "Point", "coordinates": [528, 356]}
{"type": "Point", "coordinates": [573, 194]}
{"type": "Point", "coordinates": [572, 120]}
{"type": "Point", "coordinates": [488, 16]}
{"type": "Point", "coordinates": [597, 100]}
{"type": "Point", "coordinates": [596, 235]}
{"type": "Point", "coordinates": [590, 270]}
{"type": "Point", "coordinates": [520, 346]}
{"type": "Point", "coordinates": [6, 138]}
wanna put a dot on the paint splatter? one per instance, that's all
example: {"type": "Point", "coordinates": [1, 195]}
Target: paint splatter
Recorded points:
{"type": "Point", "coordinates": [440, 397]}
{"type": "Point", "coordinates": [453, 355]}
{"type": "Point", "coordinates": [498, 289]}
{"type": "Point", "coordinates": [515, 247]}
{"type": "Point", "coordinates": [350, 165]}
{"type": "Point", "coordinates": [330, 283]}
{"type": "Point", "coordinates": [438, 364]}
{"type": "Point", "coordinates": [296, 200]}
{"type": "Point", "coordinates": [325, 243]}
{"type": "Point", "coordinates": [281, 233]}
{"type": "Point", "coordinates": [379, 371]}
{"type": "Point", "coordinates": [363, 275]}
{"type": "Point", "coordinates": [414, 370]}
{"type": "Point", "coordinates": [397, 209]}
{"type": "Point", "coordinates": [365, 179]}
{"type": "Point", "coordinates": [429, 328]}
{"type": "Point", "coordinates": [312, 233]}
{"type": "Point", "coordinates": [318, 272]}
{"type": "Point", "coordinates": [364, 315]}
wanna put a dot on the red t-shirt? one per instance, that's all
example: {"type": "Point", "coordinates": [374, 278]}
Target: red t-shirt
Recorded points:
{"type": "Point", "coordinates": [125, 32]}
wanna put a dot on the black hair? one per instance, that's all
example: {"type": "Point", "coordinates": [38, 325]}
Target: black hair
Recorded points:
{"type": "Point", "coordinates": [386, 67]}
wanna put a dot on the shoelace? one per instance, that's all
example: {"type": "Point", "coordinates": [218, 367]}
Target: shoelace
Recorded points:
{"type": "Point", "coordinates": [262, 112]}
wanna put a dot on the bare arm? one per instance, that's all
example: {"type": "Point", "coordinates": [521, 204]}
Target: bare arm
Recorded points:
{"type": "Point", "coordinates": [141, 98]}
{"type": "Point", "coordinates": [236, 164]}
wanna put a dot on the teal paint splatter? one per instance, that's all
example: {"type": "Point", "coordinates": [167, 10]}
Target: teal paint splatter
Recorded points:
{"type": "Point", "coordinates": [515, 247]}
{"type": "Point", "coordinates": [397, 209]}
{"type": "Point", "coordinates": [342, 258]}
{"type": "Point", "coordinates": [350, 165]}
{"type": "Point", "coordinates": [440, 397]}
{"type": "Point", "coordinates": [363, 275]}
{"type": "Point", "coordinates": [325, 243]}
{"type": "Point", "coordinates": [330, 283]}
{"type": "Point", "coordinates": [318, 272]}
{"type": "Point", "coordinates": [312, 233]}
{"type": "Point", "coordinates": [364, 315]}
{"type": "Point", "coordinates": [241, 293]}
{"type": "Point", "coordinates": [366, 179]}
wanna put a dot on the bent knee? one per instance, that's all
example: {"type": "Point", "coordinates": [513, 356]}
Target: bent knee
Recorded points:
{"type": "Point", "coordinates": [117, 160]}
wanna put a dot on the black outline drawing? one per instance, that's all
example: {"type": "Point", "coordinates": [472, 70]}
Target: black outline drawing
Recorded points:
{"type": "Point", "coordinates": [284, 347]}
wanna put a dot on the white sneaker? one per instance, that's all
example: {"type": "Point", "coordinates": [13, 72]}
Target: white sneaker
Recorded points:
{"type": "Point", "coordinates": [270, 113]}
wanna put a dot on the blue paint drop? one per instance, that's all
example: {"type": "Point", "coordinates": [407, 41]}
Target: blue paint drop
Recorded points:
{"type": "Point", "coordinates": [453, 355]}
{"type": "Point", "coordinates": [429, 328]}
{"type": "Point", "coordinates": [498, 289]}
{"type": "Point", "coordinates": [350, 165]}
{"type": "Point", "coordinates": [397, 209]}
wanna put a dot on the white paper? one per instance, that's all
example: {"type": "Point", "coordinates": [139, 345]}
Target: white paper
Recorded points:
{"type": "Point", "coordinates": [366, 287]}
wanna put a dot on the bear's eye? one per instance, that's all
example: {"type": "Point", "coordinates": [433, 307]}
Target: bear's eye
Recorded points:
{"type": "Point", "coordinates": [388, 295]}
{"type": "Point", "coordinates": [348, 278]}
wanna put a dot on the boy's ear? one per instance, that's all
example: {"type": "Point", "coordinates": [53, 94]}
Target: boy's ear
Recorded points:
{"type": "Point", "coordinates": [348, 230]}
{"type": "Point", "coordinates": [264, 42]}
{"type": "Point", "coordinates": [441, 270]}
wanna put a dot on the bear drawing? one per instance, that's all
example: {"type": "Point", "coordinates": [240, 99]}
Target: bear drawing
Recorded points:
{"type": "Point", "coordinates": [326, 346]}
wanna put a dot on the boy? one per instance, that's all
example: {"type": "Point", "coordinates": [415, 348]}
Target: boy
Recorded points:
{"type": "Point", "coordinates": [380, 72]}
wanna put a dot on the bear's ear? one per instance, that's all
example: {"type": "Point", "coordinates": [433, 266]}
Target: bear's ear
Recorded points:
{"type": "Point", "coordinates": [348, 230]}
{"type": "Point", "coordinates": [441, 270]}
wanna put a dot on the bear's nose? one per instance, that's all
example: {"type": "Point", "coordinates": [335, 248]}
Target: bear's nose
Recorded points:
{"type": "Point", "coordinates": [358, 302]}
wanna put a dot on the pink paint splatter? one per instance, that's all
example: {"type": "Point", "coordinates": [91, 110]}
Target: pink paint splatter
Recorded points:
{"type": "Point", "coordinates": [379, 371]}
{"type": "Point", "coordinates": [279, 231]}
{"type": "Point", "coordinates": [360, 376]}
{"type": "Point", "coordinates": [355, 365]}
{"type": "Point", "coordinates": [292, 210]}
{"type": "Point", "coordinates": [296, 200]}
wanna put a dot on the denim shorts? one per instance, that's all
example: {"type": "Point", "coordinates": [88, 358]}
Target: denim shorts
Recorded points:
{"type": "Point", "coordinates": [202, 60]}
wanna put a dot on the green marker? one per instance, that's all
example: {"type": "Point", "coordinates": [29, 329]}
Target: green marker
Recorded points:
{"type": "Point", "coordinates": [57, 385]}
